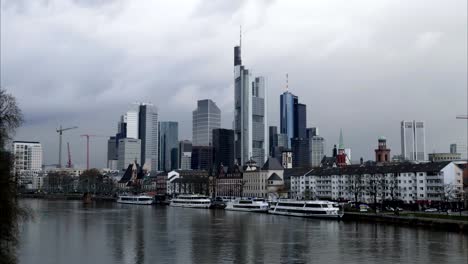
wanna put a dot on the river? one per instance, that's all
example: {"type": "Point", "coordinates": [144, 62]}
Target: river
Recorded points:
{"type": "Point", "coordinates": [72, 232]}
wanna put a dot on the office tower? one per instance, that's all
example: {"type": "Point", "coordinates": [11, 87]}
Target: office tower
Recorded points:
{"type": "Point", "coordinates": [272, 139]}
{"type": "Point", "coordinates": [287, 113]}
{"type": "Point", "coordinates": [185, 155]}
{"type": "Point", "coordinates": [202, 157]}
{"type": "Point", "coordinates": [311, 132]}
{"type": "Point", "coordinates": [132, 118]}
{"type": "Point", "coordinates": [293, 116]}
{"type": "Point", "coordinates": [223, 147]}
{"type": "Point", "coordinates": [112, 153]}
{"type": "Point", "coordinates": [300, 120]}
{"type": "Point", "coordinates": [453, 148]}
{"type": "Point", "coordinates": [317, 150]}
{"type": "Point", "coordinates": [128, 152]}
{"type": "Point", "coordinates": [206, 117]}
{"type": "Point", "coordinates": [300, 152]}
{"type": "Point", "coordinates": [413, 146]}
{"type": "Point", "coordinates": [28, 156]}
{"type": "Point", "coordinates": [148, 134]}
{"type": "Point", "coordinates": [250, 114]}
{"type": "Point", "coordinates": [168, 145]}
{"type": "Point", "coordinates": [382, 153]}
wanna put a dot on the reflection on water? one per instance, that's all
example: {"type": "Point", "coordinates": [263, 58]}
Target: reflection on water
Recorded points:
{"type": "Point", "coordinates": [71, 232]}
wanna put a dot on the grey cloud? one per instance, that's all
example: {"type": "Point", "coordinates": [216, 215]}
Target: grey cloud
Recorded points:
{"type": "Point", "coordinates": [362, 67]}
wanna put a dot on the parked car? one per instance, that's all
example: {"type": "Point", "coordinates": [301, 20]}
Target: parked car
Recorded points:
{"type": "Point", "coordinates": [431, 210]}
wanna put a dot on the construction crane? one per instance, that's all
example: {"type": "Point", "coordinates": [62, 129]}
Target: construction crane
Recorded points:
{"type": "Point", "coordinates": [69, 163]}
{"type": "Point", "coordinates": [462, 116]}
{"type": "Point", "coordinates": [60, 131]}
{"type": "Point", "coordinates": [87, 147]}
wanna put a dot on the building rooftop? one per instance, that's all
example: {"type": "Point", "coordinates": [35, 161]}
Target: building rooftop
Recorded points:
{"type": "Point", "coordinates": [274, 177]}
{"type": "Point", "coordinates": [272, 164]}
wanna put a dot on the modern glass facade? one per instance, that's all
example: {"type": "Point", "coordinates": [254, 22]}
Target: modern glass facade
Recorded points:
{"type": "Point", "coordinates": [300, 152]}
{"type": "Point", "coordinates": [250, 114]}
{"type": "Point", "coordinates": [223, 147]}
{"type": "Point", "coordinates": [148, 134]}
{"type": "Point", "coordinates": [317, 149]}
{"type": "Point", "coordinates": [413, 146]}
{"type": "Point", "coordinates": [206, 117]}
{"type": "Point", "coordinates": [287, 101]}
{"type": "Point", "coordinates": [168, 145]}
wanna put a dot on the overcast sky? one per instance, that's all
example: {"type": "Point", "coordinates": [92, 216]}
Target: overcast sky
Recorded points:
{"type": "Point", "coordinates": [362, 66]}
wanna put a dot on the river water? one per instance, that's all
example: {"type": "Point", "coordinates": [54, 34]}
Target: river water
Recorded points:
{"type": "Point", "coordinates": [71, 232]}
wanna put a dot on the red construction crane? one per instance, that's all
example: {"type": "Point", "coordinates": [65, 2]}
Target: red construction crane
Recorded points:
{"type": "Point", "coordinates": [87, 147]}
{"type": "Point", "coordinates": [60, 131]}
{"type": "Point", "coordinates": [69, 163]}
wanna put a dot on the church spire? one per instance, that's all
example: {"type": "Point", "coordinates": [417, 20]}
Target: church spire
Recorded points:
{"type": "Point", "coordinates": [341, 143]}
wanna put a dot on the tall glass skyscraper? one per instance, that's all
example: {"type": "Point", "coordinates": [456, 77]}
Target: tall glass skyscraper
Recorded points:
{"type": "Point", "coordinates": [293, 117]}
{"type": "Point", "coordinates": [168, 145]}
{"type": "Point", "coordinates": [148, 134]}
{"type": "Point", "coordinates": [413, 140]}
{"type": "Point", "coordinates": [206, 117]}
{"type": "Point", "coordinates": [250, 114]}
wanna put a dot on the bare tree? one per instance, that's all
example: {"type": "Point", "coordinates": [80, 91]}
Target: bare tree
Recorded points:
{"type": "Point", "coordinates": [355, 186]}
{"type": "Point", "coordinates": [10, 119]}
{"type": "Point", "coordinates": [374, 183]}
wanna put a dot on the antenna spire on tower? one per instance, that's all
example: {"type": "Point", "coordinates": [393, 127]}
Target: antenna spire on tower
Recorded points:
{"type": "Point", "coordinates": [287, 82]}
{"type": "Point", "coordinates": [240, 36]}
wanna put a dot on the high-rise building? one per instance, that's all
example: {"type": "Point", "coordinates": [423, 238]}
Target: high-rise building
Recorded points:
{"type": "Point", "coordinates": [382, 153]}
{"type": "Point", "coordinates": [317, 150]}
{"type": "Point", "coordinates": [202, 157]}
{"type": "Point", "coordinates": [453, 148]}
{"type": "Point", "coordinates": [287, 113]}
{"type": "Point", "coordinates": [128, 152]}
{"type": "Point", "coordinates": [206, 117]}
{"type": "Point", "coordinates": [168, 145]}
{"type": "Point", "coordinates": [250, 114]}
{"type": "Point", "coordinates": [300, 120]}
{"type": "Point", "coordinates": [293, 116]}
{"type": "Point", "coordinates": [27, 156]}
{"type": "Point", "coordinates": [311, 132]}
{"type": "Point", "coordinates": [132, 118]}
{"type": "Point", "coordinates": [148, 134]}
{"type": "Point", "coordinates": [272, 139]}
{"type": "Point", "coordinates": [185, 155]}
{"type": "Point", "coordinates": [282, 142]}
{"type": "Point", "coordinates": [413, 141]}
{"type": "Point", "coordinates": [300, 152]}
{"type": "Point", "coordinates": [112, 153]}
{"type": "Point", "coordinates": [223, 147]}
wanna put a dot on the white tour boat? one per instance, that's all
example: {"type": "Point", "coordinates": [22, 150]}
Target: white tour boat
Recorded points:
{"type": "Point", "coordinates": [135, 199]}
{"type": "Point", "coordinates": [250, 205]}
{"type": "Point", "coordinates": [305, 208]}
{"type": "Point", "coordinates": [191, 200]}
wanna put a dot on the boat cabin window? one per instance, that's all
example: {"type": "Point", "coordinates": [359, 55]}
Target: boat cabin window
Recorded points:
{"type": "Point", "coordinates": [314, 205]}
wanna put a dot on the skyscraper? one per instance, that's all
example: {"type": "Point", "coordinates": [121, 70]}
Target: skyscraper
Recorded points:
{"type": "Point", "coordinates": [287, 102]}
{"type": "Point", "coordinates": [317, 149]}
{"type": "Point", "coordinates": [272, 139]}
{"type": "Point", "coordinates": [148, 134]}
{"type": "Point", "coordinates": [413, 140]}
{"type": "Point", "coordinates": [168, 145]}
{"type": "Point", "coordinates": [206, 117]}
{"type": "Point", "coordinates": [132, 119]}
{"type": "Point", "coordinates": [185, 155]}
{"type": "Point", "coordinates": [202, 157]}
{"type": "Point", "coordinates": [223, 147]}
{"type": "Point", "coordinates": [312, 131]}
{"type": "Point", "coordinates": [250, 114]}
{"type": "Point", "coordinates": [128, 152]}
{"type": "Point", "coordinates": [112, 153]}
{"type": "Point", "coordinates": [293, 117]}
{"type": "Point", "coordinates": [300, 120]}
{"type": "Point", "coordinates": [300, 152]}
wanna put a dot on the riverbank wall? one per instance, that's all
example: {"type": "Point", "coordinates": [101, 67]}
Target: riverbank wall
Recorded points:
{"type": "Point", "coordinates": [66, 197]}
{"type": "Point", "coordinates": [425, 222]}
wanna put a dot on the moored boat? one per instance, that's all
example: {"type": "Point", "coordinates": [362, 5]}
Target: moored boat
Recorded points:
{"type": "Point", "coordinates": [248, 205]}
{"type": "Point", "coordinates": [135, 199]}
{"type": "Point", "coordinates": [191, 201]}
{"type": "Point", "coordinates": [305, 208]}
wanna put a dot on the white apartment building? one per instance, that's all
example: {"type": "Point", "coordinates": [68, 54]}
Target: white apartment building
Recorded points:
{"type": "Point", "coordinates": [438, 181]}
{"type": "Point", "coordinates": [28, 156]}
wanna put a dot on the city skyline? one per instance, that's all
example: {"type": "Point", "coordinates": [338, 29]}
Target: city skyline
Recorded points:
{"type": "Point", "coordinates": [336, 93]}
